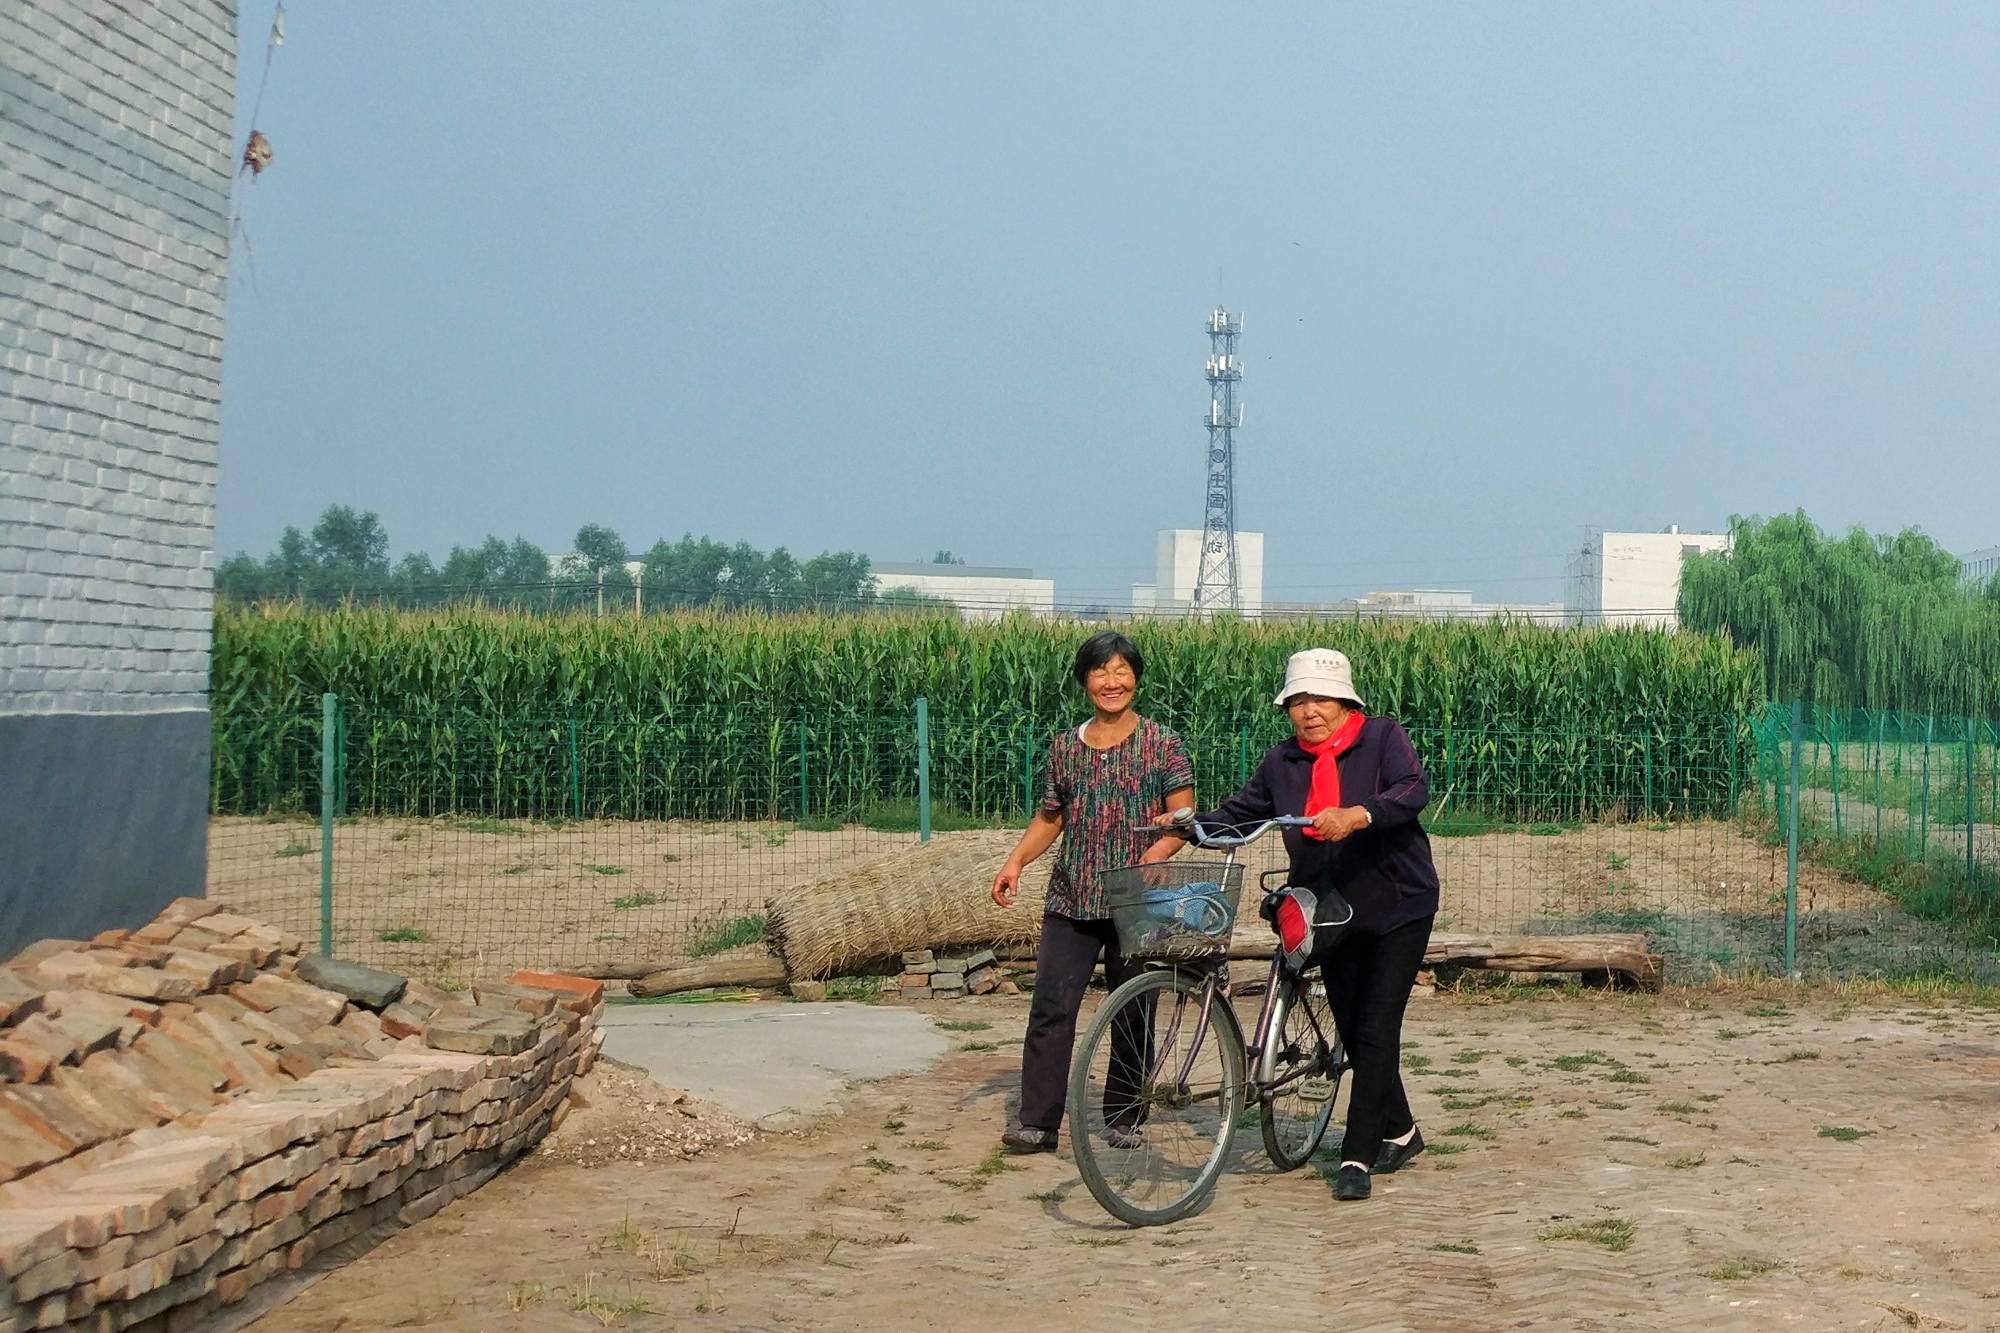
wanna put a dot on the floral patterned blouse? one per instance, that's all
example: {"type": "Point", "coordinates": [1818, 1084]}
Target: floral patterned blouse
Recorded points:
{"type": "Point", "coordinates": [1106, 799]}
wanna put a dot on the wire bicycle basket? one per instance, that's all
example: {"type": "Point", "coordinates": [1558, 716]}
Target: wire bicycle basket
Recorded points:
{"type": "Point", "coordinates": [1174, 909]}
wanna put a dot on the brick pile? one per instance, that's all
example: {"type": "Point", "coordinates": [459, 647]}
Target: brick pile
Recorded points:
{"type": "Point", "coordinates": [192, 1108]}
{"type": "Point", "coordinates": [927, 976]}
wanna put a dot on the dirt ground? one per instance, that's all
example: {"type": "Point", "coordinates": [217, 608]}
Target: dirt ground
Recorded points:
{"type": "Point", "coordinates": [1775, 1159]}
{"type": "Point", "coordinates": [452, 900]}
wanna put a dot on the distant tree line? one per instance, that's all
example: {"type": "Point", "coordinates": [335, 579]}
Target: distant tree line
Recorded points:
{"type": "Point", "coordinates": [345, 558]}
{"type": "Point", "coordinates": [1851, 621]}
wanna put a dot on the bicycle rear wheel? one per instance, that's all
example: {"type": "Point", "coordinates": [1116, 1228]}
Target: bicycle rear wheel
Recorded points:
{"type": "Point", "coordinates": [1298, 1073]}
{"type": "Point", "coordinates": [1154, 1095]}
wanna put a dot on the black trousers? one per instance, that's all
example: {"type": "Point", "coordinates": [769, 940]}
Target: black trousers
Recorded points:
{"type": "Point", "coordinates": [1368, 980]}
{"type": "Point", "coordinates": [1069, 949]}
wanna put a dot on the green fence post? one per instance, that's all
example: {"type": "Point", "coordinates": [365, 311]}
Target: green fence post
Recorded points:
{"type": "Point", "coordinates": [340, 761]}
{"type": "Point", "coordinates": [923, 769]}
{"type": "Point", "coordinates": [1833, 749]}
{"type": "Point", "coordinates": [1880, 735]}
{"type": "Point", "coordinates": [1732, 743]}
{"type": "Point", "coordinates": [1647, 737]}
{"type": "Point", "coordinates": [1968, 805]}
{"type": "Point", "coordinates": [805, 789]}
{"type": "Point", "coordinates": [329, 741]}
{"type": "Point", "coordinates": [575, 776]}
{"type": "Point", "coordinates": [1930, 729]}
{"type": "Point", "coordinates": [1028, 772]}
{"type": "Point", "coordinates": [1792, 850]}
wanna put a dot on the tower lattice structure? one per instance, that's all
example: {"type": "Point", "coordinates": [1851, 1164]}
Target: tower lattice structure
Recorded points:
{"type": "Point", "coordinates": [1216, 586]}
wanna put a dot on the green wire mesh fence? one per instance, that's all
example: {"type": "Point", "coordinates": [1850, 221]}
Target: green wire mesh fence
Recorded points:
{"type": "Point", "coordinates": [464, 844]}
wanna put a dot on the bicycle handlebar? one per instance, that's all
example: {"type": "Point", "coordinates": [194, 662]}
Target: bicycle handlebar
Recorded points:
{"type": "Point", "coordinates": [1201, 835]}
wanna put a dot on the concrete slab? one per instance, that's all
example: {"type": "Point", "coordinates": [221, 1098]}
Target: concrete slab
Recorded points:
{"type": "Point", "coordinates": [776, 1064]}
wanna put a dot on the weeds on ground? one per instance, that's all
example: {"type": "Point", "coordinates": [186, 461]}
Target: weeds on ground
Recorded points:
{"type": "Point", "coordinates": [1843, 1133]}
{"type": "Point", "coordinates": [1446, 1247]}
{"type": "Point", "coordinates": [1689, 1162]}
{"type": "Point", "coordinates": [1472, 1131]}
{"type": "Point", "coordinates": [1738, 1270]}
{"type": "Point", "coordinates": [1613, 1233]}
{"type": "Point", "coordinates": [297, 848]}
{"type": "Point", "coordinates": [497, 827]}
{"type": "Point", "coordinates": [962, 1025]}
{"type": "Point", "coordinates": [1802, 1053]}
{"type": "Point", "coordinates": [632, 900]}
{"type": "Point", "coordinates": [718, 936]}
{"type": "Point", "coordinates": [402, 935]}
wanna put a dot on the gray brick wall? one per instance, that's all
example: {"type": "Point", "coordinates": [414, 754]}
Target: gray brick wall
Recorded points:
{"type": "Point", "coordinates": [116, 159]}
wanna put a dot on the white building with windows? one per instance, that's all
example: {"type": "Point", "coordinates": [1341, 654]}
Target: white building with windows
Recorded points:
{"type": "Point", "coordinates": [1977, 569]}
{"type": "Point", "coordinates": [1177, 566]}
{"type": "Point", "coordinates": [1633, 578]}
{"type": "Point", "coordinates": [979, 592]}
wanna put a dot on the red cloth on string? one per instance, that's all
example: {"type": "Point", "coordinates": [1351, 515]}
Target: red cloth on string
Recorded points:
{"type": "Point", "coordinates": [1325, 791]}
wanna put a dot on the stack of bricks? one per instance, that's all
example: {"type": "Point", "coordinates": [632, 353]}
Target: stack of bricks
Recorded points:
{"type": "Point", "coordinates": [926, 976]}
{"type": "Point", "coordinates": [185, 1114]}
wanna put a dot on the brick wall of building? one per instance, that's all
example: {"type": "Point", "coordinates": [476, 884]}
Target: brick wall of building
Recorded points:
{"type": "Point", "coordinates": [116, 133]}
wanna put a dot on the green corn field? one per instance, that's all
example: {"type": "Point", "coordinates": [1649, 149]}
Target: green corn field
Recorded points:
{"type": "Point", "coordinates": [809, 716]}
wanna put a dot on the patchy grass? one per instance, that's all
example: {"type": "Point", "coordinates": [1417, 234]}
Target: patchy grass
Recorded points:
{"type": "Point", "coordinates": [1679, 1108]}
{"type": "Point", "coordinates": [1843, 1133]}
{"type": "Point", "coordinates": [1631, 1138]}
{"type": "Point", "coordinates": [1471, 1057]}
{"type": "Point", "coordinates": [1100, 1242]}
{"type": "Point", "coordinates": [723, 935]}
{"type": "Point", "coordinates": [1768, 1011]}
{"type": "Point", "coordinates": [959, 1217]}
{"type": "Point", "coordinates": [498, 827]}
{"type": "Point", "coordinates": [297, 848]}
{"type": "Point", "coordinates": [1613, 1233]}
{"type": "Point", "coordinates": [1629, 1076]}
{"type": "Point", "coordinates": [882, 1164]}
{"type": "Point", "coordinates": [1688, 1162]}
{"type": "Point", "coordinates": [962, 1025]}
{"type": "Point", "coordinates": [1471, 1131]}
{"type": "Point", "coordinates": [1446, 1247]}
{"type": "Point", "coordinates": [632, 900]}
{"type": "Point", "coordinates": [402, 935]}
{"type": "Point", "coordinates": [1740, 1269]}
{"type": "Point", "coordinates": [1730, 1034]}
{"type": "Point", "coordinates": [1444, 1148]}
{"type": "Point", "coordinates": [1570, 1064]}
{"type": "Point", "coordinates": [1049, 1196]}
{"type": "Point", "coordinates": [596, 869]}
{"type": "Point", "coordinates": [1802, 1053]}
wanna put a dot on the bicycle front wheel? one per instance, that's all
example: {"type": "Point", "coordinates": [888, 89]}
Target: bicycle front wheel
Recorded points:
{"type": "Point", "coordinates": [1298, 1073]}
{"type": "Point", "coordinates": [1154, 1095]}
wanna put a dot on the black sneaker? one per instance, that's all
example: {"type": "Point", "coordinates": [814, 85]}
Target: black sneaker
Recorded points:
{"type": "Point", "coordinates": [1351, 1184]}
{"type": "Point", "coordinates": [1025, 1140]}
{"type": "Point", "coordinates": [1394, 1155]}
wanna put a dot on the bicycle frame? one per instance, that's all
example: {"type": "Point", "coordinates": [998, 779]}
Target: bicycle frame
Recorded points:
{"type": "Point", "coordinates": [1218, 979]}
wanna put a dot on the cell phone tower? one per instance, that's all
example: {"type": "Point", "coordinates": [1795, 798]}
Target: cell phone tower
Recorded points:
{"type": "Point", "coordinates": [1215, 586]}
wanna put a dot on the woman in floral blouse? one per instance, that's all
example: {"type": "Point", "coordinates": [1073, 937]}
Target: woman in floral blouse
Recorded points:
{"type": "Point", "coordinates": [1107, 780]}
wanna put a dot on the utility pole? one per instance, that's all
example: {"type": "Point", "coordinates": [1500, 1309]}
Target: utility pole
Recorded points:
{"type": "Point", "coordinates": [1216, 585]}
{"type": "Point", "coordinates": [600, 592]}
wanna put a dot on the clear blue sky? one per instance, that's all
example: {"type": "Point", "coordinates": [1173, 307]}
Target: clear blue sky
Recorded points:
{"type": "Point", "coordinates": [899, 277]}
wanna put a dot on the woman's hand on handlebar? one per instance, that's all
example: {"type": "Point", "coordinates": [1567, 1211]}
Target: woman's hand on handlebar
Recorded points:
{"type": "Point", "coordinates": [1181, 818]}
{"type": "Point", "coordinates": [1335, 824]}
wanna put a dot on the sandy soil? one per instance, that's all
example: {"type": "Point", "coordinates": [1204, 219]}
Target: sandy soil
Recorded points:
{"type": "Point", "coordinates": [451, 900]}
{"type": "Point", "coordinates": [1698, 1119]}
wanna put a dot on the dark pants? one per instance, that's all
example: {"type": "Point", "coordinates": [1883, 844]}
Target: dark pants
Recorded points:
{"type": "Point", "coordinates": [1368, 980]}
{"type": "Point", "coordinates": [1068, 951]}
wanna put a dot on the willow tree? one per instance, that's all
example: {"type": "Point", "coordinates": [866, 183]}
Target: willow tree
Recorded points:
{"type": "Point", "coordinates": [1879, 622]}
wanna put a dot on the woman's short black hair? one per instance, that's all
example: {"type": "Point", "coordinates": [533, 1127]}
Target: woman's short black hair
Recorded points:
{"type": "Point", "coordinates": [1101, 648]}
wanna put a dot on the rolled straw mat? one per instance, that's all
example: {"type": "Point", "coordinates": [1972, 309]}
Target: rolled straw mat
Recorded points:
{"type": "Point", "coordinates": [935, 895]}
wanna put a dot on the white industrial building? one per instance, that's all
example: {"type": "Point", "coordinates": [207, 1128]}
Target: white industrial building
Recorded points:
{"type": "Point", "coordinates": [979, 592]}
{"type": "Point", "coordinates": [1177, 565]}
{"type": "Point", "coordinates": [1418, 604]}
{"type": "Point", "coordinates": [1633, 578]}
{"type": "Point", "coordinates": [1977, 569]}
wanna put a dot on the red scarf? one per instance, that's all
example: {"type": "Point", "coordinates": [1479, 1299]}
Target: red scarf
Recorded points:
{"type": "Point", "coordinates": [1325, 791]}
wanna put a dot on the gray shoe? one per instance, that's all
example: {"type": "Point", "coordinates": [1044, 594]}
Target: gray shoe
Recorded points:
{"type": "Point", "coordinates": [1026, 1140]}
{"type": "Point", "coordinates": [1120, 1137]}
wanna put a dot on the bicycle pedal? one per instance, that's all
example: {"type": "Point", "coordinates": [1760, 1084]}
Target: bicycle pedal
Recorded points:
{"type": "Point", "coordinates": [1316, 1089]}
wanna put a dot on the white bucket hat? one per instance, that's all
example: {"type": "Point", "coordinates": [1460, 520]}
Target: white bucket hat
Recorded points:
{"type": "Point", "coordinates": [1320, 671]}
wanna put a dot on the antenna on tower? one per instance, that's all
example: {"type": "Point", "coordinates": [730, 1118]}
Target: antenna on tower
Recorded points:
{"type": "Point", "coordinates": [1216, 587]}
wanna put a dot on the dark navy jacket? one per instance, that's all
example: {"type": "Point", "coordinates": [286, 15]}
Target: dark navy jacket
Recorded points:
{"type": "Point", "coordinates": [1384, 870]}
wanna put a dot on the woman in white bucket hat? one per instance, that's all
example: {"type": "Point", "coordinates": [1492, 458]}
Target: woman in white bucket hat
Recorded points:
{"type": "Point", "coordinates": [1358, 779]}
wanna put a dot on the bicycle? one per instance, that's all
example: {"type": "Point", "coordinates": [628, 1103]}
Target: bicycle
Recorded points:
{"type": "Point", "coordinates": [1158, 1084]}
